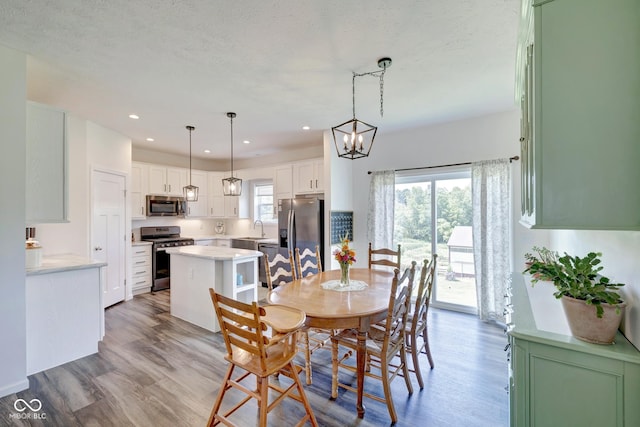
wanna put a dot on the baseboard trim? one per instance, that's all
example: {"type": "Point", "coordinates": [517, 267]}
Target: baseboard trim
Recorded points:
{"type": "Point", "coordinates": [14, 388]}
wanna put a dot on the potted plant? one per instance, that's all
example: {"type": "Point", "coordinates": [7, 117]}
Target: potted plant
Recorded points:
{"type": "Point", "coordinates": [542, 256]}
{"type": "Point", "coordinates": [581, 288]}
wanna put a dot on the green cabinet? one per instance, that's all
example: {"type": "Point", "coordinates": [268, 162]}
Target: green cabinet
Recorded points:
{"type": "Point", "coordinates": [557, 380]}
{"type": "Point", "coordinates": [578, 83]}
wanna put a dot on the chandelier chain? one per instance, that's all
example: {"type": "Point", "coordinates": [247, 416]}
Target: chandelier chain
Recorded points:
{"type": "Point", "coordinates": [378, 73]}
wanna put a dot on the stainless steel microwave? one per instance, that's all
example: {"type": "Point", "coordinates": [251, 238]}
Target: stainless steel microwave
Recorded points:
{"type": "Point", "coordinates": [166, 206]}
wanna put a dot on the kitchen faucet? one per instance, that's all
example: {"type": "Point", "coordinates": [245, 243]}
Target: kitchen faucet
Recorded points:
{"type": "Point", "coordinates": [261, 227]}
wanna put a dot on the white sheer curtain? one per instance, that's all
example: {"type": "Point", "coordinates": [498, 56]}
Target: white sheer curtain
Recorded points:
{"type": "Point", "coordinates": [491, 193]}
{"type": "Point", "coordinates": [382, 192]}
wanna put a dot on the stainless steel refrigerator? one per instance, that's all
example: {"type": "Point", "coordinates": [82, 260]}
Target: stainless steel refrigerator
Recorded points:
{"type": "Point", "coordinates": [301, 224]}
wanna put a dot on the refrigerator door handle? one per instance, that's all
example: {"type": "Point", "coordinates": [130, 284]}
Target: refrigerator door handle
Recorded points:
{"type": "Point", "coordinates": [290, 236]}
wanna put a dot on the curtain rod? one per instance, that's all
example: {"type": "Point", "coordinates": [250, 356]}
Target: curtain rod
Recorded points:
{"type": "Point", "coordinates": [511, 159]}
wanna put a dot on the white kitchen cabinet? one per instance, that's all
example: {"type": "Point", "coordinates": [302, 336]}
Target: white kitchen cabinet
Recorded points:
{"type": "Point", "coordinates": [308, 177]}
{"type": "Point", "coordinates": [64, 315]}
{"type": "Point", "coordinates": [165, 180]}
{"type": "Point", "coordinates": [215, 198]}
{"type": "Point", "coordinates": [232, 206]}
{"type": "Point", "coordinates": [199, 208]}
{"type": "Point", "coordinates": [577, 76]}
{"type": "Point", "coordinates": [141, 268]}
{"type": "Point", "coordinates": [221, 206]}
{"type": "Point", "coordinates": [46, 174]}
{"type": "Point", "coordinates": [282, 184]}
{"type": "Point", "coordinates": [139, 189]}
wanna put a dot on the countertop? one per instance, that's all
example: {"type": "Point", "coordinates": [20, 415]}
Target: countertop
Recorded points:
{"type": "Point", "coordinates": [215, 253]}
{"type": "Point", "coordinates": [524, 326]}
{"type": "Point", "coordinates": [64, 262]}
{"type": "Point", "coordinates": [141, 243]}
{"type": "Point", "coordinates": [231, 236]}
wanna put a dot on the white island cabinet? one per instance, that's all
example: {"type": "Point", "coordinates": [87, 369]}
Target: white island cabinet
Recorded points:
{"type": "Point", "coordinates": [64, 314]}
{"type": "Point", "coordinates": [195, 269]}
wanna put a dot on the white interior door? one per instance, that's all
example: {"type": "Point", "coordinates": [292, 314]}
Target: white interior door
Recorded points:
{"type": "Point", "coordinates": [108, 233]}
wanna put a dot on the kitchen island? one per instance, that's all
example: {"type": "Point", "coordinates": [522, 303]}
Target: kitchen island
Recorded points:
{"type": "Point", "coordinates": [195, 269]}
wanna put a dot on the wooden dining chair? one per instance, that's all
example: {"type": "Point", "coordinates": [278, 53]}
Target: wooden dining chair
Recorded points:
{"type": "Point", "coordinates": [308, 263]}
{"type": "Point", "coordinates": [384, 342]}
{"type": "Point", "coordinates": [243, 328]}
{"type": "Point", "coordinates": [384, 257]}
{"type": "Point", "coordinates": [417, 319]}
{"type": "Point", "coordinates": [280, 270]}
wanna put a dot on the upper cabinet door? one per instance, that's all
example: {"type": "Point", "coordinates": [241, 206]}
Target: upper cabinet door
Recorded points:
{"type": "Point", "coordinates": [585, 89]}
{"type": "Point", "coordinates": [166, 180]}
{"type": "Point", "coordinates": [157, 179]}
{"type": "Point", "coordinates": [176, 180]}
{"type": "Point", "coordinates": [46, 165]}
{"type": "Point", "coordinates": [139, 189]}
{"type": "Point", "coordinates": [308, 177]}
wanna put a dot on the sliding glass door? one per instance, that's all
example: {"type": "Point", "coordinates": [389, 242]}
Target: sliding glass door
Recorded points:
{"type": "Point", "coordinates": [433, 214]}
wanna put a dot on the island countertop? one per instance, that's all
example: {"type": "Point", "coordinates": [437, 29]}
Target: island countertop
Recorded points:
{"type": "Point", "coordinates": [215, 253]}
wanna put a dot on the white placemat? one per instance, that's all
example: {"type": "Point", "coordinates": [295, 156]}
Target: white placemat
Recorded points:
{"type": "Point", "coordinates": [354, 285]}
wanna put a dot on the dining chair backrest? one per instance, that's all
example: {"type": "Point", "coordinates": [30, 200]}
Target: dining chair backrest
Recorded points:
{"type": "Point", "coordinates": [384, 257]}
{"type": "Point", "coordinates": [280, 270]}
{"type": "Point", "coordinates": [425, 286]}
{"type": "Point", "coordinates": [399, 304]}
{"type": "Point", "coordinates": [241, 328]}
{"type": "Point", "coordinates": [308, 262]}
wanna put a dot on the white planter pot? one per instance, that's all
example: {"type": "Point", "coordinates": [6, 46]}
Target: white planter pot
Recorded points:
{"type": "Point", "coordinates": [587, 326]}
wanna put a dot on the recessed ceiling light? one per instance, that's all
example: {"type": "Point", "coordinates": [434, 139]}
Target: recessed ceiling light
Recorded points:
{"type": "Point", "coordinates": [305, 128]}
{"type": "Point", "coordinates": [246, 142]}
{"type": "Point", "coordinates": [150, 139]}
{"type": "Point", "coordinates": [133, 116]}
{"type": "Point", "coordinates": [207, 151]}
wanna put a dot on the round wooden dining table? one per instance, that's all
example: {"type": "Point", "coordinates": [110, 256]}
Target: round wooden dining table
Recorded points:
{"type": "Point", "coordinates": [337, 309]}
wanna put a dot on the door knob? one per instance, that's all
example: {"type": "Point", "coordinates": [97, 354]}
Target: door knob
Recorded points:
{"type": "Point", "coordinates": [97, 248]}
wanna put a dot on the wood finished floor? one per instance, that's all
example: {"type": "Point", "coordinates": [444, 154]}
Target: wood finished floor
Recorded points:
{"type": "Point", "coordinates": [156, 370]}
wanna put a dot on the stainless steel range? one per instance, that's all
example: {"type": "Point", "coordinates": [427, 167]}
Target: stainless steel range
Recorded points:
{"type": "Point", "coordinates": [162, 238]}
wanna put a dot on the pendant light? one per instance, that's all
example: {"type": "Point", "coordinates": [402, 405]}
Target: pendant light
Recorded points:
{"type": "Point", "coordinates": [232, 186]}
{"type": "Point", "coordinates": [190, 191]}
{"type": "Point", "coordinates": [353, 139]}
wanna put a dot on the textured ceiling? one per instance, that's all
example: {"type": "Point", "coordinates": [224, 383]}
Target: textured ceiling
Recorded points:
{"type": "Point", "coordinates": [278, 64]}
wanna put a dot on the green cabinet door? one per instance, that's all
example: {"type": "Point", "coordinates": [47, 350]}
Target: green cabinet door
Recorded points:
{"type": "Point", "coordinates": [585, 130]}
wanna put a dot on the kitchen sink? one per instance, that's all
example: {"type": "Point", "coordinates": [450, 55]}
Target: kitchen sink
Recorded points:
{"type": "Point", "coordinates": [247, 242]}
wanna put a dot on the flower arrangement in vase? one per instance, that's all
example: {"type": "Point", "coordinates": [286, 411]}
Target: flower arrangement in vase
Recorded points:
{"type": "Point", "coordinates": [345, 257]}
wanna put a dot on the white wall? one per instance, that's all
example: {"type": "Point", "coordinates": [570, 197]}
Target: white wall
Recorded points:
{"type": "Point", "coordinates": [13, 347]}
{"type": "Point", "coordinates": [339, 190]}
{"type": "Point", "coordinates": [482, 138]}
{"type": "Point", "coordinates": [620, 251]}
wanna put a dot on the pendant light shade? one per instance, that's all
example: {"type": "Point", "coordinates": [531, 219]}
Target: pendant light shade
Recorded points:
{"type": "Point", "coordinates": [232, 186]}
{"type": "Point", "coordinates": [190, 191]}
{"type": "Point", "coordinates": [354, 138]}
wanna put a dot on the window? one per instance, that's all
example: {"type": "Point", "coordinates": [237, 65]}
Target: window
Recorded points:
{"type": "Point", "coordinates": [263, 208]}
{"type": "Point", "coordinates": [433, 213]}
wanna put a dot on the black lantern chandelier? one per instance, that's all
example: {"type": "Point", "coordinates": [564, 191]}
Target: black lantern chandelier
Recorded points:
{"type": "Point", "coordinates": [190, 191]}
{"type": "Point", "coordinates": [353, 139]}
{"type": "Point", "coordinates": [232, 186]}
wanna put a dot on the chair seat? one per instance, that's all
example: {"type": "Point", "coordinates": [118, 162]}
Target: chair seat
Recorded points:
{"type": "Point", "coordinates": [349, 338]}
{"type": "Point", "coordinates": [278, 356]}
